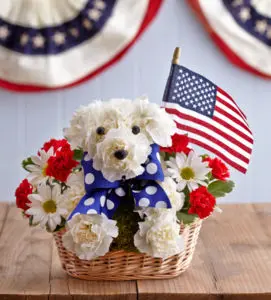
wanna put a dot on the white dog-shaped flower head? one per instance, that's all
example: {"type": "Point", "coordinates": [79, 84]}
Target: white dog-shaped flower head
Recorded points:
{"type": "Point", "coordinates": [121, 154]}
{"type": "Point", "coordinates": [118, 134]}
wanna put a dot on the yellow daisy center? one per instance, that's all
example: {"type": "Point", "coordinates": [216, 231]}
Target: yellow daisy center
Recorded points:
{"type": "Point", "coordinates": [187, 173]}
{"type": "Point", "coordinates": [44, 170]}
{"type": "Point", "coordinates": [49, 206]}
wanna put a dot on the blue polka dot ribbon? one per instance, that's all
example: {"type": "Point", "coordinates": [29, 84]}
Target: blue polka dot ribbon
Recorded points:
{"type": "Point", "coordinates": [103, 196]}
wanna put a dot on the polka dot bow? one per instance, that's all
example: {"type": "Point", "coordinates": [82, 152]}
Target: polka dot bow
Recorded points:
{"type": "Point", "coordinates": [103, 196]}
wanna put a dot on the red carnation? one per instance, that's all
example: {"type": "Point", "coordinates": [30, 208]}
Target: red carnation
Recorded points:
{"type": "Point", "coordinates": [219, 169]}
{"type": "Point", "coordinates": [21, 194]}
{"type": "Point", "coordinates": [179, 144]}
{"type": "Point", "coordinates": [202, 202]}
{"type": "Point", "coordinates": [61, 164]}
{"type": "Point", "coordinates": [56, 144]}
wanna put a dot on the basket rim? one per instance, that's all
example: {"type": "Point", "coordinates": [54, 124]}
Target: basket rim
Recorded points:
{"type": "Point", "coordinates": [111, 253]}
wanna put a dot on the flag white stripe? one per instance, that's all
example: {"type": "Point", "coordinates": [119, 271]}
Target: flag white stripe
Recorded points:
{"type": "Point", "coordinates": [212, 133]}
{"type": "Point", "coordinates": [208, 120]}
{"type": "Point", "coordinates": [233, 124]}
{"type": "Point", "coordinates": [231, 112]}
{"type": "Point", "coordinates": [215, 146]}
{"type": "Point", "coordinates": [230, 102]}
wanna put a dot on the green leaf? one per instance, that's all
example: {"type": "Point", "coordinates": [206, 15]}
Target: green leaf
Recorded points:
{"type": "Point", "coordinates": [26, 162]}
{"type": "Point", "coordinates": [186, 218]}
{"type": "Point", "coordinates": [78, 154]}
{"type": "Point", "coordinates": [31, 223]}
{"type": "Point", "coordinates": [58, 227]}
{"type": "Point", "coordinates": [220, 188]}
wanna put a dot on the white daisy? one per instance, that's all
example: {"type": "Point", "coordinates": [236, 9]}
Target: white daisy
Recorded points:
{"type": "Point", "coordinates": [89, 236]}
{"type": "Point", "coordinates": [75, 191]}
{"type": "Point", "coordinates": [121, 154]}
{"type": "Point", "coordinates": [188, 170]}
{"type": "Point", "coordinates": [38, 169]}
{"type": "Point", "coordinates": [46, 208]}
{"type": "Point", "coordinates": [153, 121]}
{"type": "Point", "coordinates": [159, 235]}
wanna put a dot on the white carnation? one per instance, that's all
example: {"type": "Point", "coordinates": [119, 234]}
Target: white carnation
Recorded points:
{"type": "Point", "coordinates": [75, 191]}
{"type": "Point", "coordinates": [83, 122]}
{"type": "Point", "coordinates": [89, 236]}
{"type": "Point", "coordinates": [176, 198]}
{"type": "Point", "coordinates": [159, 235]}
{"type": "Point", "coordinates": [153, 121]}
{"type": "Point", "coordinates": [136, 147]}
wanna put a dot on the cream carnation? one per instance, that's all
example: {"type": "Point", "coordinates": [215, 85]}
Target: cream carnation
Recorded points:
{"type": "Point", "coordinates": [89, 236]}
{"type": "Point", "coordinates": [133, 151]}
{"type": "Point", "coordinates": [176, 198]}
{"type": "Point", "coordinates": [153, 121]}
{"type": "Point", "coordinates": [75, 191]}
{"type": "Point", "coordinates": [159, 235]}
{"type": "Point", "coordinates": [82, 124]}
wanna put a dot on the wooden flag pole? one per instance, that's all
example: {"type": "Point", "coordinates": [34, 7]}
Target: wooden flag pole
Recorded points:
{"type": "Point", "coordinates": [176, 56]}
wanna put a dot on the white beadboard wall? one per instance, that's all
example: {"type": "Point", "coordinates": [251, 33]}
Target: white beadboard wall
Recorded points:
{"type": "Point", "coordinates": [27, 120]}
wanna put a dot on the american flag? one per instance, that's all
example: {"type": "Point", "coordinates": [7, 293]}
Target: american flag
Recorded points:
{"type": "Point", "coordinates": [209, 115]}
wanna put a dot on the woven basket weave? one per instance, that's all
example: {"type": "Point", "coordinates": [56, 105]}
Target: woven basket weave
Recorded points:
{"type": "Point", "coordinates": [121, 265]}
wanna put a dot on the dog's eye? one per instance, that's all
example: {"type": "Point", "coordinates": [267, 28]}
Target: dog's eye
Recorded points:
{"type": "Point", "coordinates": [135, 129]}
{"type": "Point", "coordinates": [100, 130]}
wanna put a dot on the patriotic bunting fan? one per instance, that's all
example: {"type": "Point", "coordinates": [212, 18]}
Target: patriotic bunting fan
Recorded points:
{"type": "Point", "coordinates": [48, 44]}
{"type": "Point", "coordinates": [241, 29]}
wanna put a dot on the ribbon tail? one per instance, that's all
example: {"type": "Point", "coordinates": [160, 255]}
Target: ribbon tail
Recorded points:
{"type": "Point", "coordinates": [102, 202]}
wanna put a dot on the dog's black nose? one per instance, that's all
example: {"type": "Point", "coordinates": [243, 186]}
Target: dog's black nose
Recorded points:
{"type": "Point", "coordinates": [121, 154]}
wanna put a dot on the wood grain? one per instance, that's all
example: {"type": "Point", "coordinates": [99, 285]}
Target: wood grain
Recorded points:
{"type": "Point", "coordinates": [196, 283]}
{"type": "Point", "coordinates": [232, 262]}
{"type": "Point", "coordinates": [25, 259]}
{"type": "Point", "coordinates": [58, 279]}
{"type": "Point", "coordinates": [240, 253]}
{"type": "Point", "coordinates": [101, 290]}
{"type": "Point", "coordinates": [65, 287]}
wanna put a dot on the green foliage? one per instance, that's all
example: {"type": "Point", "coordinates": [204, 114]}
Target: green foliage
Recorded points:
{"type": "Point", "coordinates": [58, 227]}
{"type": "Point", "coordinates": [186, 199]}
{"type": "Point", "coordinates": [78, 154]}
{"type": "Point", "coordinates": [31, 223]}
{"type": "Point", "coordinates": [220, 188]}
{"type": "Point", "coordinates": [127, 222]}
{"type": "Point", "coordinates": [26, 162]}
{"type": "Point", "coordinates": [186, 218]}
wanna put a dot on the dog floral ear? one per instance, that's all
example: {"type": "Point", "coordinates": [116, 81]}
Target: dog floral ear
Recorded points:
{"type": "Point", "coordinates": [153, 121]}
{"type": "Point", "coordinates": [84, 120]}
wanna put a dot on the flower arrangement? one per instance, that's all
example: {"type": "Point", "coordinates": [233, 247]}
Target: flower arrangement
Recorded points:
{"type": "Point", "coordinates": [121, 179]}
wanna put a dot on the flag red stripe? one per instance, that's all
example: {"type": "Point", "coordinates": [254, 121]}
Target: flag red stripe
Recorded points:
{"type": "Point", "coordinates": [213, 139]}
{"type": "Point", "coordinates": [230, 107]}
{"type": "Point", "coordinates": [229, 116]}
{"type": "Point", "coordinates": [213, 128]}
{"type": "Point", "coordinates": [231, 99]}
{"type": "Point", "coordinates": [215, 151]}
{"type": "Point", "coordinates": [230, 127]}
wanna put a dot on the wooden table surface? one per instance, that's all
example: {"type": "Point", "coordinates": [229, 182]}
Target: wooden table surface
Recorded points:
{"type": "Point", "coordinates": [232, 261]}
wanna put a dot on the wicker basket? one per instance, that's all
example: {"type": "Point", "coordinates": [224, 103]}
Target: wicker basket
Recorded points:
{"type": "Point", "coordinates": [121, 265]}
